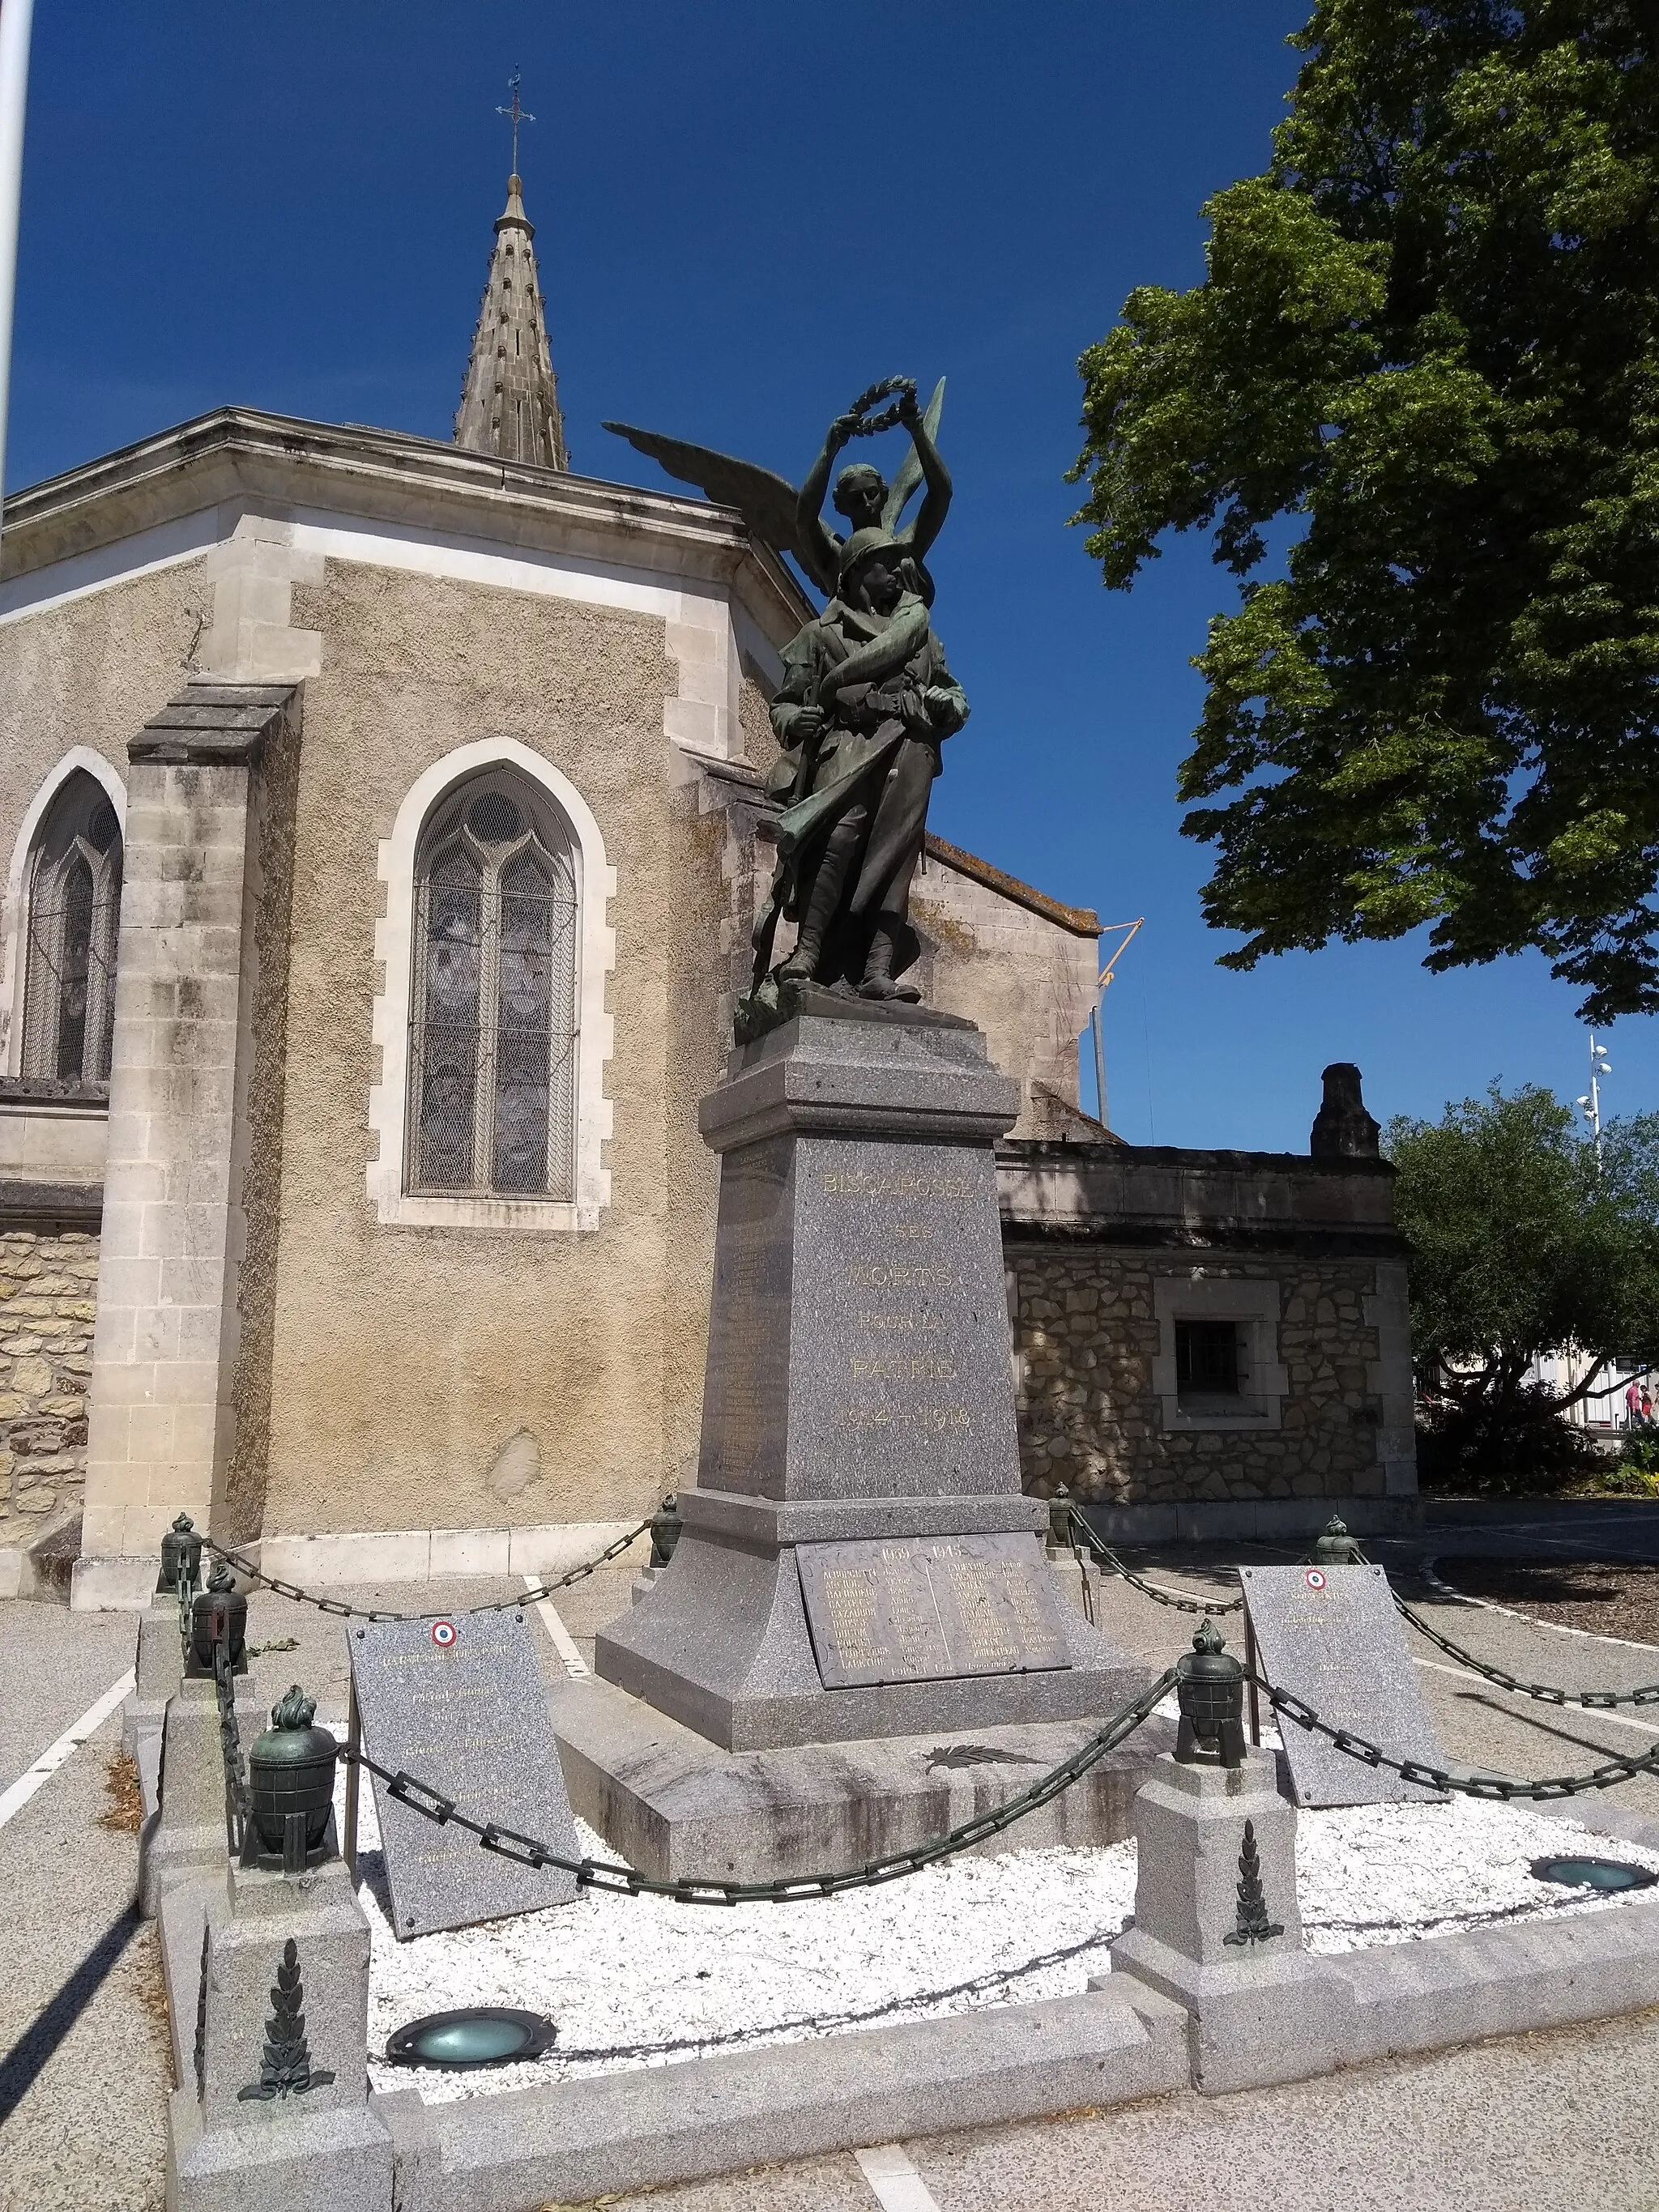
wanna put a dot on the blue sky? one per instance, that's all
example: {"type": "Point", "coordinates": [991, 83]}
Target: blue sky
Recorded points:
{"type": "Point", "coordinates": [747, 211]}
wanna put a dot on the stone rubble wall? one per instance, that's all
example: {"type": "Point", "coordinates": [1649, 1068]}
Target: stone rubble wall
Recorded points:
{"type": "Point", "coordinates": [1085, 1337]}
{"type": "Point", "coordinates": [48, 1301]}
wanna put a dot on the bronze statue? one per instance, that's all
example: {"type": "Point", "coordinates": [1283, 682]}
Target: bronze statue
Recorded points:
{"type": "Point", "coordinates": [865, 702]}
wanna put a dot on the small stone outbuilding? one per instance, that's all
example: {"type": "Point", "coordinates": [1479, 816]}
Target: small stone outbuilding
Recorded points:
{"type": "Point", "coordinates": [1210, 1343]}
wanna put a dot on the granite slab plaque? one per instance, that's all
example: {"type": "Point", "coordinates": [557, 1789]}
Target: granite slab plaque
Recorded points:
{"type": "Point", "coordinates": [460, 1705]}
{"type": "Point", "coordinates": [930, 1607]}
{"type": "Point", "coordinates": [1330, 1635]}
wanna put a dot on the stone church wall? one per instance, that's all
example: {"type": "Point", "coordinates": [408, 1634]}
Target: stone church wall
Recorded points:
{"type": "Point", "coordinates": [406, 1360]}
{"type": "Point", "coordinates": [91, 671]}
{"type": "Point", "coordinates": [48, 1294]}
{"type": "Point", "coordinates": [1021, 965]}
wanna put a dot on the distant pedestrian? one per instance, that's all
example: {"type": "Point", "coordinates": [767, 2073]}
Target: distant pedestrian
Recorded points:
{"type": "Point", "coordinates": [1647, 1408]}
{"type": "Point", "coordinates": [1633, 1405]}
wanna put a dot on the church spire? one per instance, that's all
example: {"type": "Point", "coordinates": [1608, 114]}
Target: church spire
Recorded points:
{"type": "Point", "coordinates": [510, 401]}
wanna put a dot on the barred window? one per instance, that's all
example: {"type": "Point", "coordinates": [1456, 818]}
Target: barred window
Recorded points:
{"type": "Point", "coordinates": [493, 1024]}
{"type": "Point", "coordinates": [74, 907]}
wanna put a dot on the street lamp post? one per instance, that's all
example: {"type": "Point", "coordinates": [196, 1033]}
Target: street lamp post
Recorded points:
{"type": "Point", "coordinates": [1590, 1104]}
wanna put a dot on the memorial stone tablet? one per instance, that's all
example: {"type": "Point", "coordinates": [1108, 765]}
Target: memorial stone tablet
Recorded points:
{"type": "Point", "coordinates": [930, 1608]}
{"type": "Point", "coordinates": [460, 1706]}
{"type": "Point", "coordinates": [1331, 1636]}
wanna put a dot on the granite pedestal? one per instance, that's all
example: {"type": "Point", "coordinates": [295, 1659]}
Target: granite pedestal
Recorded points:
{"type": "Point", "coordinates": [1216, 1927]}
{"type": "Point", "coordinates": [858, 1563]}
{"type": "Point", "coordinates": [272, 2111]}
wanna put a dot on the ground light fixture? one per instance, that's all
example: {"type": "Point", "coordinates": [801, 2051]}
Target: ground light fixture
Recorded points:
{"type": "Point", "coordinates": [1593, 1874]}
{"type": "Point", "coordinates": [477, 2035]}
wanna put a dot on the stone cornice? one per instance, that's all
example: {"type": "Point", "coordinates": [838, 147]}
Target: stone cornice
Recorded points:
{"type": "Point", "coordinates": [1169, 1197]}
{"type": "Point", "coordinates": [1080, 921]}
{"type": "Point", "coordinates": [213, 725]}
{"type": "Point", "coordinates": [48, 1208]}
{"type": "Point", "coordinates": [281, 465]}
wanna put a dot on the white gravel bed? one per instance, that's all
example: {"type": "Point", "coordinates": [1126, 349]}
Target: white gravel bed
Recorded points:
{"type": "Point", "coordinates": [646, 1981]}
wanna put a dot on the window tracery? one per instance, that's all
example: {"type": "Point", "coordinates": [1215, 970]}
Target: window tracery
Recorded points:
{"type": "Point", "coordinates": [495, 994]}
{"type": "Point", "coordinates": [73, 904]}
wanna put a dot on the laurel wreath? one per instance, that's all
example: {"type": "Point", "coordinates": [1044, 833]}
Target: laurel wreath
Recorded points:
{"type": "Point", "coordinates": [866, 425]}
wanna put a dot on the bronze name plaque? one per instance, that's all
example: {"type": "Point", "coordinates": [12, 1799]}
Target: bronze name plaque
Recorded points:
{"type": "Point", "coordinates": [918, 1609]}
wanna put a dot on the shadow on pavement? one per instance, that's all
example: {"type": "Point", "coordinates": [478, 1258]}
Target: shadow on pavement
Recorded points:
{"type": "Point", "coordinates": [23, 2064]}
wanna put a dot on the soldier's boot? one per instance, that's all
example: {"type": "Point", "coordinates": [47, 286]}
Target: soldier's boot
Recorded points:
{"type": "Point", "coordinates": [802, 965]}
{"type": "Point", "coordinates": [877, 979]}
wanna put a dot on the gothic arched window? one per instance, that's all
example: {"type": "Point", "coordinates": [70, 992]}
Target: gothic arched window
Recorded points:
{"type": "Point", "coordinates": [492, 1088]}
{"type": "Point", "coordinates": [74, 907]}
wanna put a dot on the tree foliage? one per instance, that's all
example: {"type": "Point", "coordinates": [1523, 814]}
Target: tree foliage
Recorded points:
{"type": "Point", "coordinates": [1427, 349]}
{"type": "Point", "coordinates": [1523, 1242]}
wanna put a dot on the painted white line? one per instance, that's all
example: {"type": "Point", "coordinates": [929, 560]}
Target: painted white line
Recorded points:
{"type": "Point", "coordinates": [53, 1756]}
{"type": "Point", "coordinates": [1588, 1713]}
{"type": "Point", "coordinates": [563, 1643]}
{"type": "Point", "coordinates": [894, 2182]}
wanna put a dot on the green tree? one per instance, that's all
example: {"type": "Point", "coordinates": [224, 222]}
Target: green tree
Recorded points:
{"type": "Point", "coordinates": [1524, 1241]}
{"type": "Point", "coordinates": [1427, 349]}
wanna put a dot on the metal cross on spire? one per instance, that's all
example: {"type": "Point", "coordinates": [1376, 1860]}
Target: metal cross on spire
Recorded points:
{"type": "Point", "coordinates": [516, 114]}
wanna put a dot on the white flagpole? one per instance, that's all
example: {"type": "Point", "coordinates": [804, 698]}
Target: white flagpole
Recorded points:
{"type": "Point", "coordinates": [16, 19]}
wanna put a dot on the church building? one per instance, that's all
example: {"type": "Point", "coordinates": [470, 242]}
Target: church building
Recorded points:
{"type": "Point", "coordinates": [384, 829]}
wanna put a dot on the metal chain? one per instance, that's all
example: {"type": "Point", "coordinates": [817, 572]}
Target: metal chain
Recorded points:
{"type": "Point", "coordinates": [1104, 1552]}
{"type": "Point", "coordinates": [1436, 1778]}
{"type": "Point", "coordinates": [344, 1612]}
{"type": "Point", "coordinates": [1546, 1692]}
{"type": "Point", "coordinates": [608, 1874]}
{"type": "Point", "coordinates": [236, 1790]}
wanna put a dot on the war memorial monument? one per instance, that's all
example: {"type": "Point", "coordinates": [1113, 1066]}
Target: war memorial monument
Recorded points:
{"type": "Point", "coordinates": [859, 1567]}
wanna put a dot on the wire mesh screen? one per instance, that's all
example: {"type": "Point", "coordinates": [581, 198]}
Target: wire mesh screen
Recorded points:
{"type": "Point", "coordinates": [493, 1053]}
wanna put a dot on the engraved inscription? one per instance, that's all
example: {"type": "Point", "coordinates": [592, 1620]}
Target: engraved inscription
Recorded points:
{"type": "Point", "coordinates": [901, 1182]}
{"type": "Point", "coordinates": [1338, 1643]}
{"type": "Point", "coordinates": [929, 1607]}
{"type": "Point", "coordinates": [472, 1719]}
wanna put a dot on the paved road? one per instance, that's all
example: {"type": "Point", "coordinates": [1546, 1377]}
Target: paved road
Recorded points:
{"type": "Point", "coordinates": [1540, 1528]}
{"type": "Point", "coordinates": [83, 2088]}
{"type": "Point", "coordinates": [1524, 2126]}
{"type": "Point", "coordinates": [85, 2071]}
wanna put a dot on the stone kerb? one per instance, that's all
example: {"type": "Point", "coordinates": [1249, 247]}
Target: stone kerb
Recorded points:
{"type": "Point", "coordinates": [185, 1837]}
{"type": "Point", "coordinates": [159, 1670]}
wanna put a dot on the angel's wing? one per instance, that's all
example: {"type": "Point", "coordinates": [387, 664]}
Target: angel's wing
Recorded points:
{"type": "Point", "coordinates": [908, 481]}
{"type": "Point", "coordinates": [766, 501]}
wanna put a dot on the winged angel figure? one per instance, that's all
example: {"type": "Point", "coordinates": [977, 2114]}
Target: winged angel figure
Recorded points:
{"type": "Point", "coordinates": [864, 704]}
{"type": "Point", "coordinates": [791, 521]}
